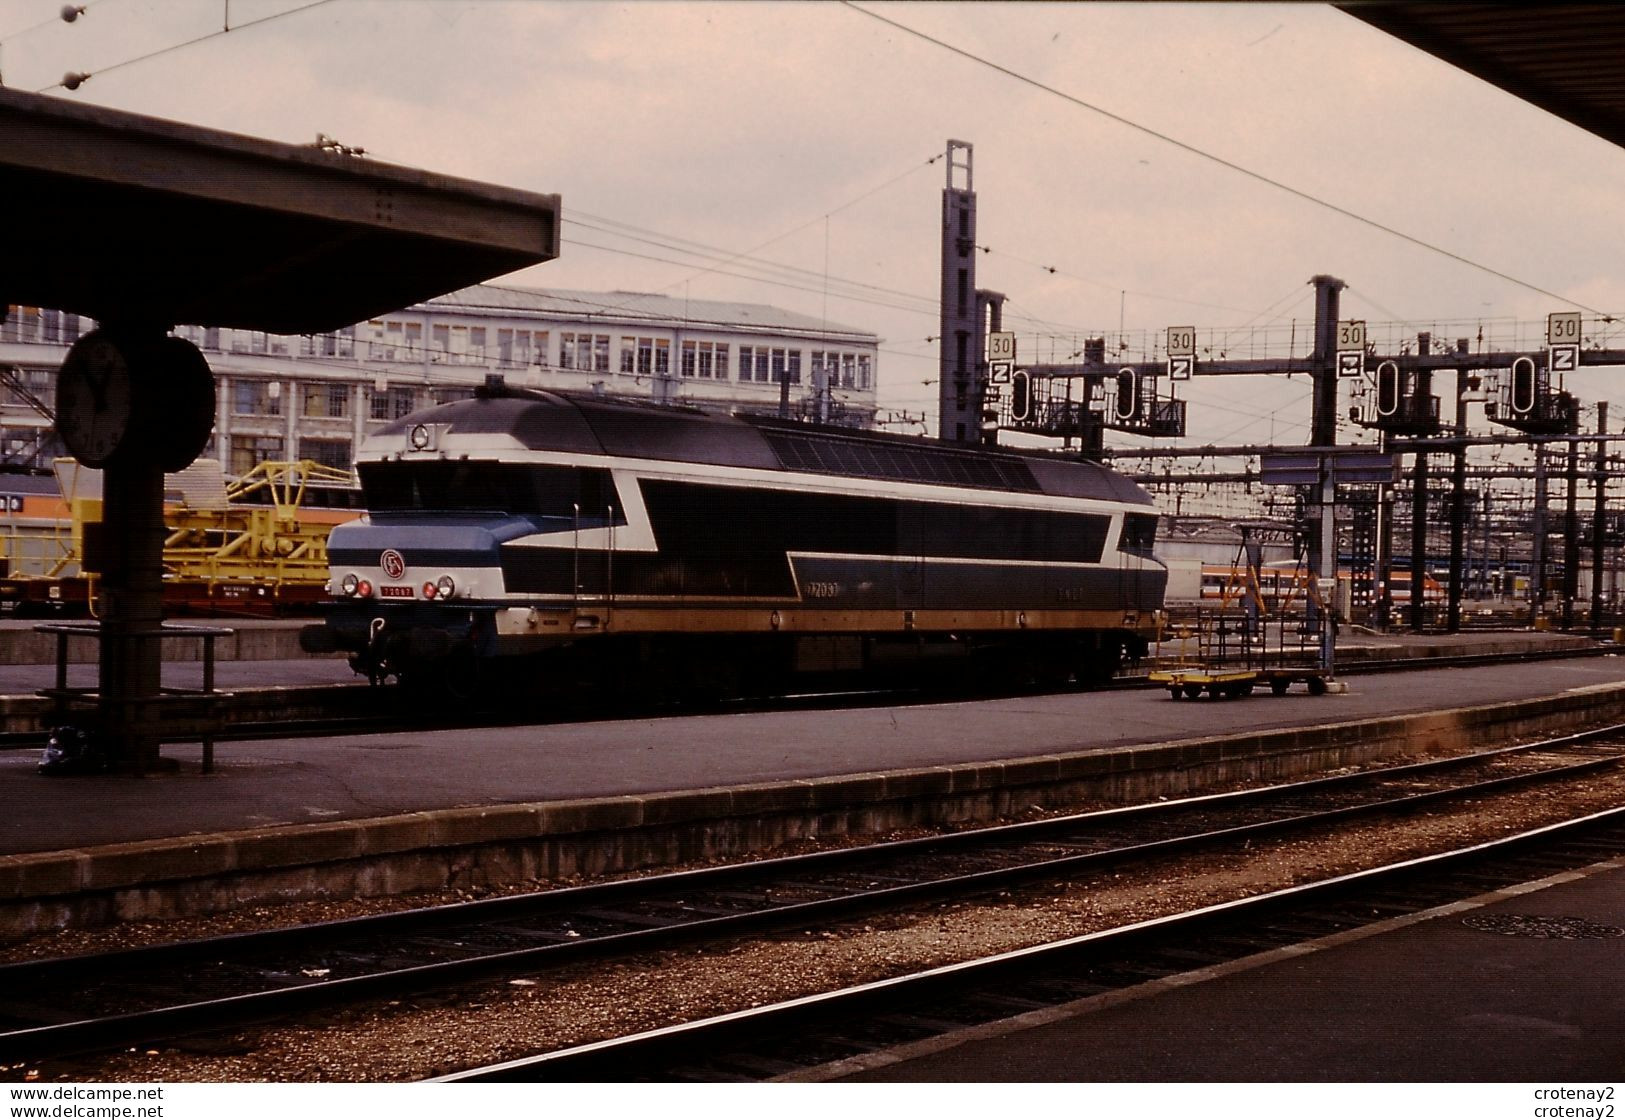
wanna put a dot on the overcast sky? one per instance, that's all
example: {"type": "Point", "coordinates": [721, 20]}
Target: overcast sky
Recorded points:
{"type": "Point", "coordinates": [801, 133]}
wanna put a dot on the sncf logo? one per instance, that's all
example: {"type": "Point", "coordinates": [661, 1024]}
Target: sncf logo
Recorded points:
{"type": "Point", "coordinates": [393, 563]}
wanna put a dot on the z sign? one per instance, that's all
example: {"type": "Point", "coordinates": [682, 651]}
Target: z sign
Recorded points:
{"type": "Point", "coordinates": [1180, 367]}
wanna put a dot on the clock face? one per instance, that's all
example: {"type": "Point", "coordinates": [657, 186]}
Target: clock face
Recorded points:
{"type": "Point", "coordinates": [94, 400]}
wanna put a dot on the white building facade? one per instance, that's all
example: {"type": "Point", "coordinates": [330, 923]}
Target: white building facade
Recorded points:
{"type": "Point", "coordinates": [317, 396]}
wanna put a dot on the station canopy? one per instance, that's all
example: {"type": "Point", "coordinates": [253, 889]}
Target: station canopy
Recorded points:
{"type": "Point", "coordinates": [136, 219]}
{"type": "Point", "coordinates": [1563, 58]}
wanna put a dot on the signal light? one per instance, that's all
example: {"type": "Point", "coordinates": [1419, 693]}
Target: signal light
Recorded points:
{"type": "Point", "coordinates": [1388, 395]}
{"type": "Point", "coordinates": [1127, 405]}
{"type": "Point", "coordinates": [428, 590]}
{"type": "Point", "coordinates": [1021, 395]}
{"type": "Point", "coordinates": [1523, 385]}
{"type": "Point", "coordinates": [363, 590]}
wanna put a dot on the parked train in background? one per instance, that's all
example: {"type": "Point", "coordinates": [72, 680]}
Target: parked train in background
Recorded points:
{"type": "Point", "coordinates": [550, 540]}
{"type": "Point", "coordinates": [1283, 584]}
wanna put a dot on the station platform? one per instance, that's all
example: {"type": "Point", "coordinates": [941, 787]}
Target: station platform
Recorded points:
{"type": "Point", "coordinates": [1538, 997]}
{"type": "Point", "coordinates": [374, 814]}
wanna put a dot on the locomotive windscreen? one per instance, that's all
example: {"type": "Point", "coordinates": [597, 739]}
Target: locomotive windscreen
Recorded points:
{"type": "Point", "coordinates": [525, 489]}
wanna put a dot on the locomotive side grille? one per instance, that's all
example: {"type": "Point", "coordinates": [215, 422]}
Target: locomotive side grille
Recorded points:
{"type": "Point", "coordinates": [819, 453]}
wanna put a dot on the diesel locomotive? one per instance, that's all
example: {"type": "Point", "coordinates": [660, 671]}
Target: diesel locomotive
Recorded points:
{"type": "Point", "coordinates": [546, 540]}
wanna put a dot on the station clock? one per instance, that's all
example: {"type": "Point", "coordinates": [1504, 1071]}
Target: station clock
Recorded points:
{"type": "Point", "coordinates": [129, 399]}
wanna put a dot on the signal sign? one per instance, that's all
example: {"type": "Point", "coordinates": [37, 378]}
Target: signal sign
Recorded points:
{"type": "Point", "coordinates": [1351, 364]}
{"type": "Point", "coordinates": [1563, 328]}
{"type": "Point", "coordinates": [1001, 346]}
{"type": "Point", "coordinates": [1181, 366]}
{"type": "Point", "coordinates": [1021, 399]}
{"type": "Point", "coordinates": [1351, 335]}
{"type": "Point", "coordinates": [1127, 406]}
{"type": "Point", "coordinates": [1564, 358]}
{"type": "Point", "coordinates": [998, 373]}
{"type": "Point", "coordinates": [1523, 384]}
{"type": "Point", "coordinates": [1387, 389]}
{"type": "Point", "coordinates": [1182, 342]}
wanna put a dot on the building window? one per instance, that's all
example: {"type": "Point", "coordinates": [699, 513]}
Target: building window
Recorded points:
{"type": "Point", "coordinates": [646, 356]}
{"type": "Point", "coordinates": [256, 398]}
{"type": "Point", "coordinates": [629, 354]}
{"type": "Point", "coordinates": [865, 374]}
{"type": "Point", "coordinates": [248, 452]}
{"type": "Point", "coordinates": [849, 367]}
{"type": "Point", "coordinates": [707, 364]}
{"type": "Point", "coordinates": [795, 367]}
{"type": "Point", "coordinates": [412, 333]}
{"type": "Point", "coordinates": [31, 385]}
{"type": "Point", "coordinates": [386, 342]}
{"type": "Point", "coordinates": [541, 349]}
{"type": "Point", "coordinates": [662, 357]}
{"type": "Point", "coordinates": [722, 361]}
{"type": "Point", "coordinates": [754, 363]}
{"type": "Point", "coordinates": [690, 359]}
{"type": "Point", "coordinates": [22, 325]}
{"type": "Point", "coordinates": [324, 399]}
{"type": "Point", "coordinates": [600, 353]}
{"type": "Point", "coordinates": [567, 349]}
{"type": "Point", "coordinates": [391, 404]}
{"type": "Point", "coordinates": [513, 348]}
{"type": "Point", "coordinates": [328, 452]}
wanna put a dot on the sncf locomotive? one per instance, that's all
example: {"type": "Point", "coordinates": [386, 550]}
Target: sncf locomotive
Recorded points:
{"type": "Point", "coordinates": [552, 540]}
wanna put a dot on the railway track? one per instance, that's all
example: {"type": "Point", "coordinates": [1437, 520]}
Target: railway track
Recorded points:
{"type": "Point", "coordinates": [362, 710]}
{"type": "Point", "coordinates": [825, 1036]}
{"type": "Point", "coordinates": [74, 1004]}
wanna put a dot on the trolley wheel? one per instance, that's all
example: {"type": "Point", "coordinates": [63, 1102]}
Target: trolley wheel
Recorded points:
{"type": "Point", "coordinates": [1173, 692]}
{"type": "Point", "coordinates": [1279, 686]}
{"type": "Point", "coordinates": [1192, 691]}
{"type": "Point", "coordinates": [1237, 691]}
{"type": "Point", "coordinates": [1317, 686]}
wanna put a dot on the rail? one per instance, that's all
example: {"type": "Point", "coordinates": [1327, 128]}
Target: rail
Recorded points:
{"type": "Point", "coordinates": [175, 988]}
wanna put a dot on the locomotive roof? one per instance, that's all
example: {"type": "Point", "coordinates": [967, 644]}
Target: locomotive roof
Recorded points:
{"type": "Point", "coordinates": [552, 421]}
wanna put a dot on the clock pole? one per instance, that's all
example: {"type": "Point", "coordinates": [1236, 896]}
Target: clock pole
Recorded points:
{"type": "Point", "coordinates": [132, 611]}
{"type": "Point", "coordinates": [136, 402]}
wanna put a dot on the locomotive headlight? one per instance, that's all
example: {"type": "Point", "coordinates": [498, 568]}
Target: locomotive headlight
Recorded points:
{"type": "Point", "coordinates": [349, 584]}
{"type": "Point", "coordinates": [445, 587]}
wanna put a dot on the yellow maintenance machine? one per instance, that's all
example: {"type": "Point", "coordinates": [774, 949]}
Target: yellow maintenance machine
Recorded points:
{"type": "Point", "coordinates": [255, 545]}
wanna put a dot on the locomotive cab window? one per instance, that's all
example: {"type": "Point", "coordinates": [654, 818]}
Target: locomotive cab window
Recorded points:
{"type": "Point", "coordinates": [522, 489]}
{"type": "Point", "coordinates": [1139, 532]}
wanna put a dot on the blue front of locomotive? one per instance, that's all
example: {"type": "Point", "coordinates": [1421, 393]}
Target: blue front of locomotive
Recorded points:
{"type": "Point", "coordinates": [411, 589]}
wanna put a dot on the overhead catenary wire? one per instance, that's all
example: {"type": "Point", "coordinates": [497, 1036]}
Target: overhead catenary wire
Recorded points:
{"type": "Point", "coordinates": [64, 84]}
{"type": "Point", "coordinates": [1201, 153]}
